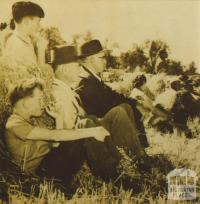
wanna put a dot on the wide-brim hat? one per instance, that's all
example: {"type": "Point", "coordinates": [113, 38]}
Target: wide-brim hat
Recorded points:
{"type": "Point", "coordinates": [64, 54]}
{"type": "Point", "coordinates": [90, 48]}
{"type": "Point", "coordinates": [26, 8]}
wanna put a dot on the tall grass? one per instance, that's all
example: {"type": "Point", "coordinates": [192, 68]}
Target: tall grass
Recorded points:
{"type": "Point", "coordinates": [167, 151]}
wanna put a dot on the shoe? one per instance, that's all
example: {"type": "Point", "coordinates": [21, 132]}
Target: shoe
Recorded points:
{"type": "Point", "coordinates": [144, 163]}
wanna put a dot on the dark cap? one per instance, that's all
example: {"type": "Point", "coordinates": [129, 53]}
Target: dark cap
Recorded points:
{"type": "Point", "coordinates": [26, 8]}
{"type": "Point", "coordinates": [90, 48]}
{"type": "Point", "coordinates": [64, 54]}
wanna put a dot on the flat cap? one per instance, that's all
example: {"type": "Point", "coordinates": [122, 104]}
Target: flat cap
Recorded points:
{"type": "Point", "coordinates": [26, 8]}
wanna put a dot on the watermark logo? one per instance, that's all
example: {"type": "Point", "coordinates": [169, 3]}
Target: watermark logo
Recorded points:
{"type": "Point", "coordinates": [182, 184]}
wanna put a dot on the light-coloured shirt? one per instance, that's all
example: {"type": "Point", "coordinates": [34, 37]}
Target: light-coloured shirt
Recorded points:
{"type": "Point", "coordinates": [20, 49]}
{"type": "Point", "coordinates": [142, 98]}
{"type": "Point", "coordinates": [28, 154]}
{"type": "Point", "coordinates": [166, 99]}
{"type": "Point", "coordinates": [66, 99]}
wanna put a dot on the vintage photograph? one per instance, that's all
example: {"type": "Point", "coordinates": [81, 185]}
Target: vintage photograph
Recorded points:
{"type": "Point", "coordinates": [99, 101]}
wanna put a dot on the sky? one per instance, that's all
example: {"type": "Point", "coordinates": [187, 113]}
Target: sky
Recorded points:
{"type": "Point", "coordinates": [177, 22]}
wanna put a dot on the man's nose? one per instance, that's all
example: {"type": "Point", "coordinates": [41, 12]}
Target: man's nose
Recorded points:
{"type": "Point", "coordinates": [42, 104]}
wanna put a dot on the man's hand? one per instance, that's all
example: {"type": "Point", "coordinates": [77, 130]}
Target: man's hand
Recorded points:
{"type": "Point", "coordinates": [42, 41]}
{"type": "Point", "coordinates": [41, 44]}
{"type": "Point", "coordinates": [82, 123]}
{"type": "Point", "coordinates": [101, 133]}
{"type": "Point", "coordinates": [54, 110]}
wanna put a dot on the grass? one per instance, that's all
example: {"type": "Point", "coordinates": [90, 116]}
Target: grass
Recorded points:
{"type": "Point", "coordinates": [168, 151]}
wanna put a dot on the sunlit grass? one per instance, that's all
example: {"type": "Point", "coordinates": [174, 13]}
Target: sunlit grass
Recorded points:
{"type": "Point", "coordinates": [167, 150]}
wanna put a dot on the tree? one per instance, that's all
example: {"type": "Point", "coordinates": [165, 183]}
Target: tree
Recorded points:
{"type": "Point", "coordinates": [88, 36]}
{"type": "Point", "coordinates": [54, 37]}
{"type": "Point", "coordinates": [75, 39]}
{"type": "Point", "coordinates": [191, 69]}
{"type": "Point", "coordinates": [111, 61]}
{"type": "Point", "coordinates": [125, 59]}
{"type": "Point", "coordinates": [146, 55]}
{"type": "Point", "coordinates": [137, 58]}
{"type": "Point", "coordinates": [174, 68]}
{"type": "Point", "coordinates": [156, 49]}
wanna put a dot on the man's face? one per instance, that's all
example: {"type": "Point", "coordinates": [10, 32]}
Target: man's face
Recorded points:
{"type": "Point", "coordinates": [98, 62]}
{"type": "Point", "coordinates": [33, 25]}
{"type": "Point", "coordinates": [35, 103]}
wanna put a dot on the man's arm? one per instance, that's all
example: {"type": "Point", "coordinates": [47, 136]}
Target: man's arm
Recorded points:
{"type": "Point", "coordinates": [41, 43]}
{"type": "Point", "coordinates": [98, 133]}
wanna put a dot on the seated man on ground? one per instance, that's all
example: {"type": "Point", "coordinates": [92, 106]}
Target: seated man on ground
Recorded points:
{"type": "Point", "coordinates": [96, 96]}
{"type": "Point", "coordinates": [34, 149]}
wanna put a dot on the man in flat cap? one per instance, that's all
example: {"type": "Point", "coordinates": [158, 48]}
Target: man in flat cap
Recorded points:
{"type": "Point", "coordinates": [98, 101]}
{"type": "Point", "coordinates": [26, 24]}
{"type": "Point", "coordinates": [25, 49]}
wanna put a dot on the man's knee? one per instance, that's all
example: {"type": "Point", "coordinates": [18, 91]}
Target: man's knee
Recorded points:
{"type": "Point", "coordinates": [118, 110]}
{"type": "Point", "coordinates": [118, 113]}
{"type": "Point", "coordinates": [126, 107]}
{"type": "Point", "coordinates": [122, 109]}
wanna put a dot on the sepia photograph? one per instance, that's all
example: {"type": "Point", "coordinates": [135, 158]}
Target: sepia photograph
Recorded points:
{"type": "Point", "coordinates": [99, 101]}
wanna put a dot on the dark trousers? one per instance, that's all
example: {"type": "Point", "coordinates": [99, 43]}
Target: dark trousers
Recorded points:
{"type": "Point", "coordinates": [102, 157]}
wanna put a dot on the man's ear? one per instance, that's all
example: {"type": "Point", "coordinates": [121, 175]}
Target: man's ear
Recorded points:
{"type": "Point", "coordinates": [88, 60]}
{"type": "Point", "coordinates": [24, 102]}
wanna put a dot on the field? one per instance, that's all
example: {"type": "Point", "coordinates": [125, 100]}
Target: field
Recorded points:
{"type": "Point", "coordinates": [168, 151]}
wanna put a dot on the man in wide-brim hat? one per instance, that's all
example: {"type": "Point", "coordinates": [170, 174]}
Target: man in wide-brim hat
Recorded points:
{"type": "Point", "coordinates": [127, 135]}
{"type": "Point", "coordinates": [92, 53]}
{"type": "Point", "coordinates": [98, 98]}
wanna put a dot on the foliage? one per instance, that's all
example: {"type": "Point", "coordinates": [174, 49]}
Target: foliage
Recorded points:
{"type": "Point", "coordinates": [111, 61]}
{"type": "Point", "coordinates": [134, 58]}
{"type": "Point", "coordinates": [167, 150]}
{"type": "Point", "coordinates": [152, 56]}
{"type": "Point", "coordinates": [192, 69]}
{"type": "Point", "coordinates": [79, 39]}
{"type": "Point", "coordinates": [145, 56]}
{"type": "Point", "coordinates": [155, 50]}
{"type": "Point", "coordinates": [14, 73]}
{"type": "Point", "coordinates": [173, 67]}
{"type": "Point", "coordinates": [54, 37]}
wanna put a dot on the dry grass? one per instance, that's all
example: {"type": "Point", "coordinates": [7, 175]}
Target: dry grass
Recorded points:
{"type": "Point", "coordinates": [167, 150]}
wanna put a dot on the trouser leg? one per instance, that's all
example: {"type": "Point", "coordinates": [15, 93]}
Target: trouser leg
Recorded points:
{"type": "Point", "coordinates": [129, 112]}
{"type": "Point", "coordinates": [123, 130]}
{"type": "Point", "coordinates": [64, 161]}
{"type": "Point", "coordinates": [102, 157]}
{"type": "Point", "coordinates": [134, 115]}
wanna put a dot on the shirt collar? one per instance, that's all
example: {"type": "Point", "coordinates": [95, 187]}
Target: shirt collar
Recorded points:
{"type": "Point", "coordinates": [83, 73]}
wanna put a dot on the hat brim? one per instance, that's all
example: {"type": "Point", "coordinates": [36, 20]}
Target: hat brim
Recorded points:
{"type": "Point", "coordinates": [90, 54]}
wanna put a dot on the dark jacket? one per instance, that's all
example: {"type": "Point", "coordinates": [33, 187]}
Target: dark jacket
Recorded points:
{"type": "Point", "coordinates": [97, 99]}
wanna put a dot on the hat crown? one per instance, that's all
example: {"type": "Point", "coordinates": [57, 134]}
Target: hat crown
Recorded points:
{"type": "Point", "coordinates": [26, 8]}
{"type": "Point", "coordinates": [90, 48]}
{"type": "Point", "coordinates": [65, 54]}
